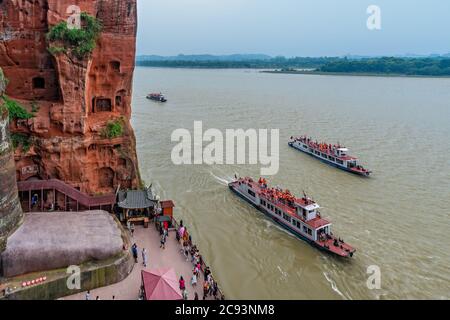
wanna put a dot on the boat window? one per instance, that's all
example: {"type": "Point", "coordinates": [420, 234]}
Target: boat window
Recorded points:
{"type": "Point", "coordinates": [305, 229]}
{"type": "Point", "coordinates": [324, 155]}
{"type": "Point", "coordinates": [250, 192]}
{"type": "Point", "coordinates": [310, 232]}
{"type": "Point", "coordinates": [331, 158]}
{"type": "Point", "coordinates": [339, 161]}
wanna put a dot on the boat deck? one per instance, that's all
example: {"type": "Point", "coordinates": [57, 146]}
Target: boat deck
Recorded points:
{"type": "Point", "coordinates": [171, 256]}
{"type": "Point", "coordinates": [340, 250]}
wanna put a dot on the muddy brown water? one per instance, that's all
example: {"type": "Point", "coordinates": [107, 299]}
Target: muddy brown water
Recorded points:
{"type": "Point", "coordinates": [398, 219]}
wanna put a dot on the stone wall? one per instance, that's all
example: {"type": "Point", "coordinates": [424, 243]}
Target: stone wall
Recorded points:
{"type": "Point", "coordinates": [10, 209]}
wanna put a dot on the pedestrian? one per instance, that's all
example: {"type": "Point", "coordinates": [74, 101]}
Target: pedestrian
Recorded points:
{"type": "Point", "coordinates": [205, 290]}
{"type": "Point", "coordinates": [194, 279]}
{"type": "Point", "coordinates": [132, 230]}
{"type": "Point", "coordinates": [134, 249]}
{"type": "Point", "coordinates": [181, 232]}
{"type": "Point", "coordinates": [144, 257]}
{"type": "Point", "coordinates": [163, 241]}
{"type": "Point", "coordinates": [196, 296]}
{"type": "Point", "coordinates": [215, 290]}
{"type": "Point", "coordinates": [114, 298]}
{"type": "Point", "coordinates": [98, 298]}
{"type": "Point", "coordinates": [88, 295]}
{"type": "Point", "coordinates": [185, 294]}
{"type": "Point", "coordinates": [210, 286]}
{"type": "Point", "coordinates": [182, 284]}
{"type": "Point", "coordinates": [34, 200]}
{"type": "Point", "coordinates": [207, 272]}
{"type": "Point", "coordinates": [198, 268]}
{"type": "Point", "coordinates": [186, 251]}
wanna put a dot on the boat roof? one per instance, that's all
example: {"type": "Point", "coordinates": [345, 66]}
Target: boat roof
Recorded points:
{"type": "Point", "coordinates": [318, 222]}
{"type": "Point", "coordinates": [347, 158]}
{"type": "Point", "coordinates": [307, 204]}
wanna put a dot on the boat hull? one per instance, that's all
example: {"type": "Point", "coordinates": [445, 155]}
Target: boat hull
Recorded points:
{"type": "Point", "coordinates": [361, 174]}
{"type": "Point", "coordinates": [284, 226]}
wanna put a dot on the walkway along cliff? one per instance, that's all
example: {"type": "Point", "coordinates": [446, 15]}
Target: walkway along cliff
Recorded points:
{"type": "Point", "coordinates": [75, 91]}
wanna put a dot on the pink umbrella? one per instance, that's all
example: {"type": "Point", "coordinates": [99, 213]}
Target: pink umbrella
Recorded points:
{"type": "Point", "coordinates": [161, 284]}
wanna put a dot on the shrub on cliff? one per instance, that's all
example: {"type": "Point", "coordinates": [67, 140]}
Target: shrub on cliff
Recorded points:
{"type": "Point", "coordinates": [15, 109]}
{"type": "Point", "coordinates": [78, 41]}
{"type": "Point", "coordinates": [113, 129]}
{"type": "Point", "coordinates": [21, 140]}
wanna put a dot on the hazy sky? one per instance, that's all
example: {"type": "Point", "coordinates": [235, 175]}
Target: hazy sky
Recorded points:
{"type": "Point", "coordinates": [292, 27]}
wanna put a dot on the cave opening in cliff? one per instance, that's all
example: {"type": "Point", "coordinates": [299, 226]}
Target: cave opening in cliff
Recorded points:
{"type": "Point", "coordinates": [101, 105]}
{"type": "Point", "coordinates": [38, 83]}
{"type": "Point", "coordinates": [115, 65]}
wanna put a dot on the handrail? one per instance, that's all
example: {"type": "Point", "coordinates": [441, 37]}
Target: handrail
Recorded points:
{"type": "Point", "coordinates": [82, 198]}
{"type": "Point", "coordinates": [221, 296]}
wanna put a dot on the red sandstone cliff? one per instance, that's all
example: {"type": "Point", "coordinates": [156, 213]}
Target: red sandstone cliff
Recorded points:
{"type": "Point", "coordinates": [75, 98]}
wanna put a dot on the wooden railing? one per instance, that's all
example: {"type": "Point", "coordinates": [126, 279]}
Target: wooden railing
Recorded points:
{"type": "Point", "coordinates": [71, 192]}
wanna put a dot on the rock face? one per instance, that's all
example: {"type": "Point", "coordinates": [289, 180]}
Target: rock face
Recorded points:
{"type": "Point", "coordinates": [73, 99]}
{"type": "Point", "coordinates": [48, 241]}
{"type": "Point", "coordinates": [10, 210]}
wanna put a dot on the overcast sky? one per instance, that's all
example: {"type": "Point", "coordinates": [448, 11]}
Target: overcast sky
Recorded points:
{"type": "Point", "coordinates": [292, 27]}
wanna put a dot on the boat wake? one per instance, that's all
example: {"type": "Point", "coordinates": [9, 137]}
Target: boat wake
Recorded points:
{"type": "Point", "coordinates": [333, 286]}
{"type": "Point", "coordinates": [222, 180]}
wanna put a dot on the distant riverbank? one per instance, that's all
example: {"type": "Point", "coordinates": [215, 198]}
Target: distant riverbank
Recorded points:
{"type": "Point", "coordinates": [361, 74]}
{"type": "Point", "coordinates": [379, 66]}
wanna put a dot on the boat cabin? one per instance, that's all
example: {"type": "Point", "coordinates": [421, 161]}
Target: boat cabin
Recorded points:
{"type": "Point", "coordinates": [341, 152]}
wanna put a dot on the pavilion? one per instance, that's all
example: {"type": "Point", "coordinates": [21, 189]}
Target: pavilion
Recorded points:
{"type": "Point", "coordinates": [136, 205]}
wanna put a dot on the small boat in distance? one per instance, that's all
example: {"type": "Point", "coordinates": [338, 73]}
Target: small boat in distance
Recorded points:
{"type": "Point", "coordinates": [335, 155]}
{"type": "Point", "coordinates": [300, 216]}
{"type": "Point", "coordinates": [156, 97]}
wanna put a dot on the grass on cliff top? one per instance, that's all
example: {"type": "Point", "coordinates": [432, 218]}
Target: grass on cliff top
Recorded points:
{"type": "Point", "coordinates": [80, 42]}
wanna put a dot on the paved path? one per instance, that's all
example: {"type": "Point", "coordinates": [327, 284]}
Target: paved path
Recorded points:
{"type": "Point", "coordinates": [128, 289]}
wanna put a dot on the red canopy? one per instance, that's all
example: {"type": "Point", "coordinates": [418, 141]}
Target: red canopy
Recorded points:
{"type": "Point", "coordinates": [161, 284]}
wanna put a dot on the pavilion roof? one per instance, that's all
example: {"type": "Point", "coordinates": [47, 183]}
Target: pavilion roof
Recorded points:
{"type": "Point", "coordinates": [136, 199]}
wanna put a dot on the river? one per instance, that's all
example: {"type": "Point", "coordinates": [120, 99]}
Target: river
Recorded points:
{"type": "Point", "coordinates": [398, 219]}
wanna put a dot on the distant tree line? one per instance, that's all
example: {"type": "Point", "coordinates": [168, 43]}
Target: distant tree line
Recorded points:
{"type": "Point", "coordinates": [273, 63]}
{"type": "Point", "coordinates": [388, 65]}
{"type": "Point", "coordinates": [384, 65]}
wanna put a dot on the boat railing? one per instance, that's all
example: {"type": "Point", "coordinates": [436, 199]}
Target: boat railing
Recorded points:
{"type": "Point", "coordinates": [220, 295]}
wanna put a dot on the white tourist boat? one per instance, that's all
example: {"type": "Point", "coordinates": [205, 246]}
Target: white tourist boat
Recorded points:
{"type": "Point", "coordinates": [300, 216]}
{"type": "Point", "coordinates": [335, 155]}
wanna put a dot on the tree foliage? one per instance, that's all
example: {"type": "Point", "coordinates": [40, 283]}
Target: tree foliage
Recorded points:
{"type": "Point", "coordinates": [391, 65]}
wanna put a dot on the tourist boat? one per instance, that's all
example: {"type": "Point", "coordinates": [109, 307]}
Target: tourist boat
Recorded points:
{"type": "Point", "coordinates": [300, 216]}
{"type": "Point", "coordinates": [335, 155]}
{"type": "Point", "coordinates": [156, 97]}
